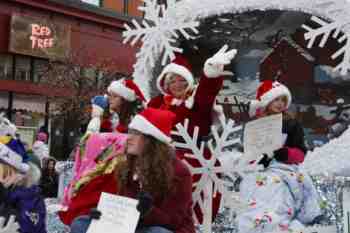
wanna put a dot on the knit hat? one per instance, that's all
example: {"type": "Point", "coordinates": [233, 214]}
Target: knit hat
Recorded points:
{"type": "Point", "coordinates": [270, 90]}
{"type": "Point", "coordinates": [154, 122]}
{"type": "Point", "coordinates": [179, 66]}
{"type": "Point", "coordinates": [127, 89]}
{"type": "Point", "coordinates": [12, 158]}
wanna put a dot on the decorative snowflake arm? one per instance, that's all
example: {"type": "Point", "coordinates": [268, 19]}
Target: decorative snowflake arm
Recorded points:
{"type": "Point", "coordinates": [222, 141]}
{"type": "Point", "coordinates": [326, 30]}
{"type": "Point", "coordinates": [344, 65]}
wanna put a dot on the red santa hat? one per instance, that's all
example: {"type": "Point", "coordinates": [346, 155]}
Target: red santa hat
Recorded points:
{"type": "Point", "coordinates": [270, 90]}
{"type": "Point", "coordinates": [127, 89]}
{"type": "Point", "coordinates": [179, 66]}
{"type": "Point", "coordinates": [154, 122]}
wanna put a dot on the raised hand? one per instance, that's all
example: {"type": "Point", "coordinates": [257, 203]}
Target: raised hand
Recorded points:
{"type": "Point", "coordinates": [214, 66]}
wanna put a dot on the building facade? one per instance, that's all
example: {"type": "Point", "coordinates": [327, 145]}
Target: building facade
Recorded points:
{"type": "Point", "coordinates": [36, 31]}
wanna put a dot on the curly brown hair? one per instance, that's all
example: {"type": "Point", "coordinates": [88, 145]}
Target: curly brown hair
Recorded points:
{"type": "Point", "coordinates": [154, 168]}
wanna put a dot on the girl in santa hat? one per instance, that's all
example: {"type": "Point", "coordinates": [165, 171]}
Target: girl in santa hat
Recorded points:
{"type": "Point", "coordinates": [150, 173]}
{"type": "Point", "coordinates": [274, 98]}
{"type": "Point", "coordinates": [124, 100]}
{"type": "Point", "coordinates": [195, 103]}
{"type": "Point", "coordinates": [281, 197]}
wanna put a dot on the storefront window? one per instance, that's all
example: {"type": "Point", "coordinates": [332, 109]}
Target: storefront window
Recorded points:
{"type": "Point", "coordinates": [39, 66]}
{"type": "Point", "coordinates": [22, 71]}
{"type": "Point", "coordinates": [6, 63]}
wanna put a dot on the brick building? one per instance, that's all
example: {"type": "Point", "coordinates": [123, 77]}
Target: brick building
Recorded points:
{"type": "Point", "coordinates": [34, 31]}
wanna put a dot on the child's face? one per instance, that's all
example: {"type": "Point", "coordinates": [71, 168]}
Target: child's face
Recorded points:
{"type": "Point", "coordinates": [9, 175]}
{"type": "Point", "coordinates": [278, 105]}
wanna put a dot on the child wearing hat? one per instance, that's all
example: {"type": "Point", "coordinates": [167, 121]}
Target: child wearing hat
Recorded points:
{"type": "Point", "coordinates": [280, 198]}
{"type": "Point", "coordinates": [273, 98]}
{"type": "Point", "coordinates": [19, 192]}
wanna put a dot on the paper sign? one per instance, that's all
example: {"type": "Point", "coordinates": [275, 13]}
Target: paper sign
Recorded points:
{"type": "Point", "coordinates": [261, 136]}
{"type": "Point", "coordinates": [346, 209]}
{"type": "Point", "coordinates": [119, 214]}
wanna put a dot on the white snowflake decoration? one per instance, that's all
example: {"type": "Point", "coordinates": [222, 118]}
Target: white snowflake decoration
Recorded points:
{"type": "Point", "coordinates": [158, 32]}
{"type": "Point", "coordinates": [326, 30]}
{"type": "Point", "coordinates": [185, 11]}
{"type": "Point", "coordinates": [210, 182]}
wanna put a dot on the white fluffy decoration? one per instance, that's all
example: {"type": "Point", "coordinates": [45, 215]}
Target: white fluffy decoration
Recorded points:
{"type": "Point", "coordinates": [181, 15]}
{"type": "Point", "coordinates": [330, 159]}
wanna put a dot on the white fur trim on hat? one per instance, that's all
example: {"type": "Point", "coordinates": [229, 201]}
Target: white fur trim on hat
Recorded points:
{"type": "Point", "coordinates": [119, 88]}
{"type": "Point", "coordinates": [144, 126]}
{"type": "Point", "coordinates": [275, 92]}
{"type": "Point", "coordinates": [177, 69]}
{"type": "Point", "coordinates": [12, 158]}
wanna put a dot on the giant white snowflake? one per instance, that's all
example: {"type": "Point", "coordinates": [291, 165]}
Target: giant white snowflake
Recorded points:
{"type": "Point", "coordinates": [158, 32]}
{"type": "Point", "coordinates": [211, 174]}
{"type": "Point", "coordinates": [325, 31]}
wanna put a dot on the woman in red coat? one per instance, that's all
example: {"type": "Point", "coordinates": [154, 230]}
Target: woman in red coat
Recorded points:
{"type": "Point", "coordinates": [182, 97]}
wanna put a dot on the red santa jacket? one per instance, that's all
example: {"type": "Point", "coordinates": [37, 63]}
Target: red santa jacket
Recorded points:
{"type": "Point", "coordinates": [200, 114]}
{"type": "Point", "coordinates": [88, 197]}
{"type": "Point", "coordinates": [106, 126]}
{"type": "Point", "coordinates": [175, 211]}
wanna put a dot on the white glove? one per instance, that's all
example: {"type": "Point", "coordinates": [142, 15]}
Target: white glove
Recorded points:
{"type": "Point", "coordinates": [11, 226]}
{"type": "Point", "coordinates": [214, 66]}
{"type": "Point", "coordinates": [94, 125]}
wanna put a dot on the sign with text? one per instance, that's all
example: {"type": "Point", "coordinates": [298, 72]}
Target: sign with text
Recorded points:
{"type": "Point", "coordinates": [119, 214]}
{"type": "Point", "coordinates": [39, 37]}
{"type": "Point", "coordinates": [263, 135]}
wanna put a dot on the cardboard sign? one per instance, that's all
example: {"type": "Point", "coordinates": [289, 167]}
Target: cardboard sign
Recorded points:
{"type": "Point", "coordinates": [119, 214]}
{"type": "Point", "coordinates": [261, 136]}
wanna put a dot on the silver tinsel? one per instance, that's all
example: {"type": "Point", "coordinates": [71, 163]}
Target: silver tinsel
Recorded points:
{"type": "Point", "coordinates": [330, 190]}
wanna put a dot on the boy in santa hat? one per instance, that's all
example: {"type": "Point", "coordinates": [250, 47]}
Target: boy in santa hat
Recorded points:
{"type": "Point", "coordinates": [124, 100]}
{"type": "Point", "coordinates": [196, 103]}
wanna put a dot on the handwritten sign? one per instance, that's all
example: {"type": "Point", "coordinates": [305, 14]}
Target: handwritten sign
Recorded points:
{"type": "Point", "coordinates": [119, 214]}
{"type": "Point", "coordinates": [261, 136]}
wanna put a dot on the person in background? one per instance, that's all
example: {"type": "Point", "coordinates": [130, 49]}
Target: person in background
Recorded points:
{"type": "Point", "coordinates": [40, 148]}
{"type": "Point", "coordinates": [49, 179]}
